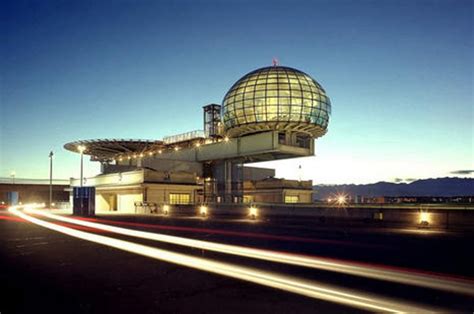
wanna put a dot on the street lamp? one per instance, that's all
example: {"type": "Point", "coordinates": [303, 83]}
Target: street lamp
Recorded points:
{"type": "Point", "coordinates": [12, 174]}
{"type": "Point", "coordinates": [81, 149]}
{"type": "Point", "coordinates": [50, 179]}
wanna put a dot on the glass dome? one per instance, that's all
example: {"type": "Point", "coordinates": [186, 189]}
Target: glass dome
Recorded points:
{"type": "Point", "coordinates": [276, 98]}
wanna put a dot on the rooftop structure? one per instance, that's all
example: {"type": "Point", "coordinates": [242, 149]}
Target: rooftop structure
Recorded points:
{"type": "Point", "coordinates": [271, 113]}
{"type": "Point", "coordinates": [110, 149]}
{"type": "Point", "coordinates": [276, 98]}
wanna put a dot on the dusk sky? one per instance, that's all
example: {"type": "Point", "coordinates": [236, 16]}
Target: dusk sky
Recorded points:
{"type": "Point", "coordinates": [399, 75]}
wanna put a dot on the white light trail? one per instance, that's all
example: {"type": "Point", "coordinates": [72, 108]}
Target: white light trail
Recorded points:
{"type": "Point", "coordinates": [373, 272]}
{"type": "Point", "coordinates": [307, 288]}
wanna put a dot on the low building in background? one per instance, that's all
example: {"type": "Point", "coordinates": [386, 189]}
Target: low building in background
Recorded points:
{"type": "Point", "coordinates": [32, 191]}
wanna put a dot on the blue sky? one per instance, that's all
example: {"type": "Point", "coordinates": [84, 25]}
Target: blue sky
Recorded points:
{"type": "Point", "coordinates": [399, 75]}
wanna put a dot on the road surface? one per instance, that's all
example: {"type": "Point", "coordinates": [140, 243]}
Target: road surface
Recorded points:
{"type": "Point", "coordinates": [316, 267]}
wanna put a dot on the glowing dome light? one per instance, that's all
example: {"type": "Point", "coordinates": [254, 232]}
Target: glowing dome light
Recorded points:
{"type": "Point", "coordinates": [276, 98]}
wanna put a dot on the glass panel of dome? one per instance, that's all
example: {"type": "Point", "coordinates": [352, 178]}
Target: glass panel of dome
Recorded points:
{"type": "Point", "coordinates": [283, 80]}
{"type": "Point", "coordinates": [305, 88]}
{"type": "Point", "coordinates": [284, 109]}
{"type": "Point", "coordinates": [248, 103]}
{"type": "Point", "coordinates": [272, 81]}
{"type": "Point", "coordinates": [295, 93]}
{"type": "Point", "coordinates": [314, 88]}
{"type": "Point", "coordinates": [273, 101]}
{"type": "Point", "coordinates": [284, 101]}
{"type": "Point", "coordinates": [229, 108]}
{"type": "Point", "coordinates": [262, 81]}
{"type": "Point", "coordinates": [283, 85]}
{"type": "Point", "coordinates": [272, 93]}
{"type": "Point", "coordinates": [296, 101]}
{"type": "Point", "coordinates": [260, 87]}
{"type": "Point", "coordinates": [239, 112]}
{"type": "Point", "coordinates": [251, 82]}
{"type": "Point", "coordinates": [295, 86]}
{"type": "Point", "coordinates": [249, 88]}
{"type": "Point", "coordinates": [306, 110]}
{"type": "Point", "coordinates": [250, 118]}
{"type": "Point", "coordinates": [261, 117]}
{"type": "Point", "coordinates": [295, 117]}
{"type": "Point", "coordinates": [259, 94]}
{"type": "Point", "coordinates": [284, 93]}
{"type": "Point", "coordinates": [238, 105]}
{"type": "Point", "coordinates": [307, 95]}
{"type": "Point", "coordinates": [271, 117]}
{"type": "Point", "coordinates": [239, 97]}
{"type": "Point", "coordinates": [303, 81]}
{"type": "Point", "coordinates": [294, 81]}
{"type": "Point", "coordinates": [272, 110]}
{"type": "Point", "coordinates": [259, 102]}
{"type": "Point", "coordinates": [307, 102]}
{"type": "Point", "coordinates": [272, 86]}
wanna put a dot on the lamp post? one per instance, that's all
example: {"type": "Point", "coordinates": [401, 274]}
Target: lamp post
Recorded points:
{"type": "Point", "coordinates": [12, 174]}
{"type": "Point", "coordinates": [50, 179]}
{"type": "Point", "coordinates": [81, 149]}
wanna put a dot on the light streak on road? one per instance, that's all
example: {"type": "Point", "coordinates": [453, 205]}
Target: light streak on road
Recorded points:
{"type": "Point", "coordinates": [307, 288]}
{"type": "Point", "coordinates": [254, 235]}
{"type": "Point", "coordinates": [432, 281]}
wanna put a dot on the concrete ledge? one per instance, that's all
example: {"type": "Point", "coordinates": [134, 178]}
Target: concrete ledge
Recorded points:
{"type": "Point", "coordinates": [406, 217]}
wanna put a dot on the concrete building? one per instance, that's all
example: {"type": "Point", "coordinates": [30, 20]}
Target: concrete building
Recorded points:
{"type": "Point", "coordinates": [269, 114]}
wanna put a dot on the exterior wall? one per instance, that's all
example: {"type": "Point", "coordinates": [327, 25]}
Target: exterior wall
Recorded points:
{"type": "Point", "coordinates": [113, 179]}
{"type": "Point", "coordinates": [274, 190]}
{"type": "Point", "coordinates": [254, 147]}
{"type": "Point", "coordinates": [173, 165]}
{"type": "Point", "coordinates": [119, 191]}
{"type": "Point", "coordinates": [165, 177]}
{"type": "Point", "coordinates": [118, 198]}
{"type": "Point", "coordinates": [101, 203]}
{"type": "Point", "coordinates": [274, 196]}
{"type": "Point", "coordinates": [255, 173]}
{"type": "Point", "coordinates": [126, 202]}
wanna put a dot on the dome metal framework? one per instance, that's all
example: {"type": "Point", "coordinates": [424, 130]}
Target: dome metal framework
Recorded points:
{"type": "Point", "coordinates": [276, 98]}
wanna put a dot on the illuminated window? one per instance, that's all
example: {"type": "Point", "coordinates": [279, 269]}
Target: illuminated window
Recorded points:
{"type": "Point", "coordinates": [180, 198]}
{"type": "Point", "coordinates": [248, 199]}
{"type": "Point", "coordinates": [292, 199]}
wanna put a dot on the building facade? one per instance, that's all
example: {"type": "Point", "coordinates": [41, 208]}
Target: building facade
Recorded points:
{"type": "Point", "coordinates": [269, 114]}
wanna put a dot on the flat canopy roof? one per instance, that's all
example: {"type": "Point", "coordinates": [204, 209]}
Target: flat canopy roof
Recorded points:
{"type": "Point", "coordinates": [107, 149]}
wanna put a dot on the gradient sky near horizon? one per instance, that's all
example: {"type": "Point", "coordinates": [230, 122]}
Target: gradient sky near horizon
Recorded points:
{"type": "Point", "coordinates": [399, 75]}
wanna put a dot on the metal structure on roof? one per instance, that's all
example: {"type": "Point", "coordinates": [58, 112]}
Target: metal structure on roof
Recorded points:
{"type": "Point", "coordinates": [108, 149]}
{"type": "Point", "coordinates": [276, 98]}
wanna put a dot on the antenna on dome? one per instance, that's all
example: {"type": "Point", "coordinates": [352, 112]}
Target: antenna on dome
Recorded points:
{"type": "Point", "coordinates": [275, 62]}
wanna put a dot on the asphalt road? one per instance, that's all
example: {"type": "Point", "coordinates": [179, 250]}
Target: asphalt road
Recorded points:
{"type": "Point", "coordinates": [47, 271]}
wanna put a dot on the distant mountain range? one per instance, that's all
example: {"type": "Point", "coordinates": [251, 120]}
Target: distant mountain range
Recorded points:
{"type": "Point", "coordinates": [427, 187]}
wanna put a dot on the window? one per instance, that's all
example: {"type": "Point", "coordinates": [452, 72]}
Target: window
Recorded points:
{"type": "Point", "coordinates": [248, 199]}
{"type": "Point", "coordinates": [292, 198]}
{"type": "Point", "coordinates": [303, 141]}
{"type": "Point", "coordinates": [282, 138]}
{"type": "Point", "coordinates": [180, 198]}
